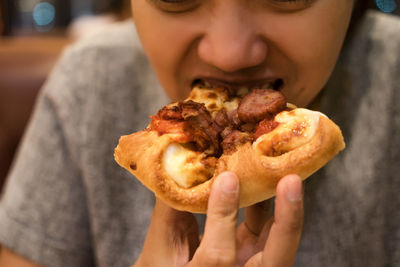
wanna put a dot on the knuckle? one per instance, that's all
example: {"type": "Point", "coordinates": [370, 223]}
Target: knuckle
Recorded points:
{"type": "Point", "coordinates": [293, 223]}
{"type": "Point", "coordinates": [223, 214]}
{"type": "Point", "coordinates": [225, 206]}
{"type": "Point", "coordinates": [294, 226]}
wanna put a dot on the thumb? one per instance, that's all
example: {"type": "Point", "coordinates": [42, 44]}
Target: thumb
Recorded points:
{"type": "Point", "coordinates": [218, 246]}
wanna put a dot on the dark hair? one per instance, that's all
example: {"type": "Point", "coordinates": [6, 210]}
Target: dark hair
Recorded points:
{"type": "Point", "coordinates": [359, 11]}
{"type": "Point", "coordinates": [113, 6]}
{"type": "Point", "coordinates": [360, 8]}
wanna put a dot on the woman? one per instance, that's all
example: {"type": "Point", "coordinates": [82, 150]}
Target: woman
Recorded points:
{"type": "Point", "coordinates": [70, 205]}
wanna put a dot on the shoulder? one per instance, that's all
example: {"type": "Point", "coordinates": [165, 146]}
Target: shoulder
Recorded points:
{"type": "Point", "coordinates": [383, 25]}
{"type": "Point", "coordinates": [376, 36]}
{"type": "Point", "coordinates": [93, 65]}
{"type": "Point", "coordinates": [109, 59]}
{"type": "Point", "coordinates": [116, 35]}
{"type": "Point", "coordinates": [366, 76]}
{"type": "Point", "coordinates": [115, 43]}
{"type": "Point", "coordinates": [383, 30]}
{"type": "Point", "coordinates": [103, 78]}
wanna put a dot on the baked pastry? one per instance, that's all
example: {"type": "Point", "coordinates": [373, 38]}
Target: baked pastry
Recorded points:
{"type": "Point", "coordinates": [256, 135]}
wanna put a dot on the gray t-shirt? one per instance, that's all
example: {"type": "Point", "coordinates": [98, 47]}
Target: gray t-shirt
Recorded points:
{"type": "Point", "coordinates": [353, 204]}
{"type": "Point", "coordinates": [67, 203]}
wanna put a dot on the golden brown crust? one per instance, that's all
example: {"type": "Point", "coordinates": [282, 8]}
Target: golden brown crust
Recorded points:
{"type": "Point", "coordinates": [260, 175]}
{"type": "Point", "coordinates": [141, 153]}
{"type": "Point", "coordinates": [145, 150]}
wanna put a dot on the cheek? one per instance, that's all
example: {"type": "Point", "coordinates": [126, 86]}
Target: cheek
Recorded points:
{"type": "Point", "coordinates": [311, 41]}
{"type": "Point", "coordinates": [154, 37]}
{"type": "Point", "coordinates": [164, 43]}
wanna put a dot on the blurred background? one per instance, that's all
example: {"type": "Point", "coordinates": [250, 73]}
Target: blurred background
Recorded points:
{"type": "Point", "coordinates": [33, 33]}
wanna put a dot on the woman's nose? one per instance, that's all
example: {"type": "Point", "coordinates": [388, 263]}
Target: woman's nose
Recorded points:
{"type": "Point", "coordinates": [231, 44]}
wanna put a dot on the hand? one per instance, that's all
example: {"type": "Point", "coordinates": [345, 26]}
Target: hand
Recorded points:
{"type": "Point", "coordinates": [260, 240]}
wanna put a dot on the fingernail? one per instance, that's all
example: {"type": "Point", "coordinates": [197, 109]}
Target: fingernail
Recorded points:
{"type": "Point", "coordinates": [228, 183]}
{"type": "Point", "coordinates": [294, 189]}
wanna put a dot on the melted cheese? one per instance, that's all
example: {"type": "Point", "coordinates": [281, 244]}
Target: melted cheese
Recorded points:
{"type": "Point", "coordinates": [214, 99]}
{"type": "Point", "coordinates": [232, 105]}
{"type": "Point", "coordinates": [296, 128]}
{"type": "Point", "coordinates": [184, 166]}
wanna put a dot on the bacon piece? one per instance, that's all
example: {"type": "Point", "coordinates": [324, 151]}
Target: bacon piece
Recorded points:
{"type": "Point", "coordinates": [166, 126]}
{"type": "Point", "coordinates": [227, 131]}
{"type": "Point", "coordinates": [180, 128]}
{"type": "Point", "coordinates": [191, 109]}
{"type": "Point", "coordinates": [234, 139]}
{"type": "Point", "coordinates": [170, 113]}
{"type": "Point", "coordinates": [192, 123]}
{"type": "Point", "coordinates": [234, 118]}
{"type": "Point", "coordinates": [206, 134]}
{"type": "Point", "coordinates": [260, 104]}
{"type": "Point", "coordinates": [221, 118]}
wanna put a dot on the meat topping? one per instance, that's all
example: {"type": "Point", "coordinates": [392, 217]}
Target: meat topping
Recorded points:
{"type": "Point", "coordinates": [194, 124]}
{"type": "Point", "coordinates": [227, 131]}
{"type": "Point", "coordinates": [221, 118]}
{"type": "Point", "coordinates": [234, 139]}
{"type": "Point", "coordinates": [199, 119]}
{"type": "Point", "coordinates": [170, 113]}
{"type": "Point", "coordinates": [195, 127]}
{"type": "Point", "coordinates": [248, 127]}
{"type": "Point", "coordinates": [234, 118]}
{"type": "Point", "coordinates": [260, 104]}
{"type": "Point", "coordinates": [265, 126]}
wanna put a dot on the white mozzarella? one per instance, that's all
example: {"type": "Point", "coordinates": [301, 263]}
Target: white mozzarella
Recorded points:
{"type": "Point", "coordinates": [231, 105]}
{"type": "Point", "coordinates": [297, 127]}
{"type": "Point", "coordinates": [184, 166]}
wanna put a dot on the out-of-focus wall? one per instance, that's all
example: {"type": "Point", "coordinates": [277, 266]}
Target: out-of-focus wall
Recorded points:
{"type": "Point", "coordinates": [52, 17]}
{"type": "Point", "coordinates": [24, 66]}
{"type": "Point", "coordinates": [33, 34]}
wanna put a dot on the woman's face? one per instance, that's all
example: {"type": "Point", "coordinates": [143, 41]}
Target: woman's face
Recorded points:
{"type": "Point", "coordinates": [243, 43]}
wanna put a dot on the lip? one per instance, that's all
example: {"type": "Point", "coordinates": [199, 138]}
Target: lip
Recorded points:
{"type": "Point", "coordinates": [236, 85]}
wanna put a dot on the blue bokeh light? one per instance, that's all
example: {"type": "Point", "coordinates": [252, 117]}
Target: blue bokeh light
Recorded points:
{"type": "Point", "coordinates": [387, 6]}
{"type": "Point", "coordinates": [44, 14]}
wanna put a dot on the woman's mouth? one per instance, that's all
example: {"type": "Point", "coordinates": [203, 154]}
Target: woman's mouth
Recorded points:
{"type": "Point", "coordinates": [240, 87]}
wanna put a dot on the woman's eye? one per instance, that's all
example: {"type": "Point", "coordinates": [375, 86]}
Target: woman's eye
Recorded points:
{"type": "Point", "coordinates": [175, 6]}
